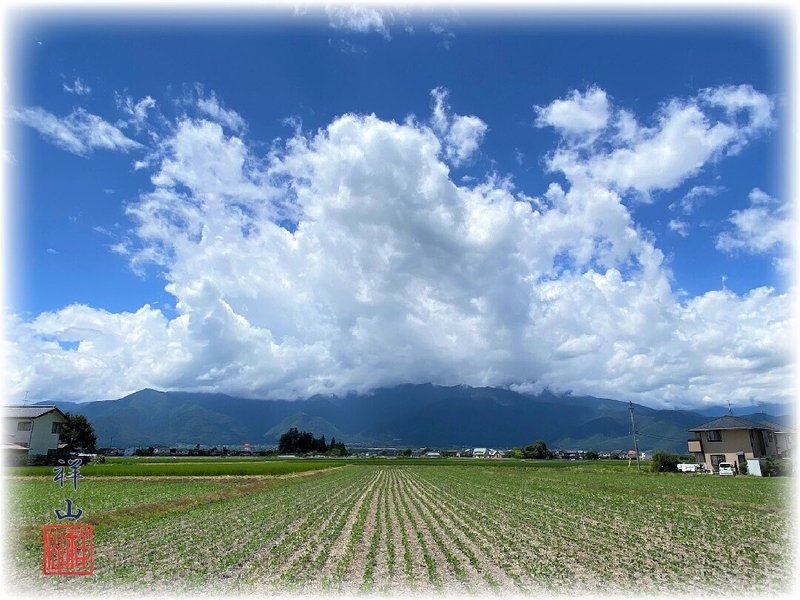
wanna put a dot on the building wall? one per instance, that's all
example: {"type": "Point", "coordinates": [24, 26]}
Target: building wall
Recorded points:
{"type": "Point", "coordinates": [14, 435]}
{"type": "Point", "coordinates": [17, 436]}
{"type": "Point", "coordinates": [783, 442]}
{"type": "Point", "coordinates": [736, 442]}
{"type": "Point", "coordinates": [40, 439]}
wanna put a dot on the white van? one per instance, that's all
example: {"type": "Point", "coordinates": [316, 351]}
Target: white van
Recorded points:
{"type": "Point", "coordinates": [726, 469]}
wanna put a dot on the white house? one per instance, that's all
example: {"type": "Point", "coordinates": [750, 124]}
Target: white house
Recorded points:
{"type": "Point", "coordinates": [36, 428]}
{"type": "Point", "coordinates": [479, 453]}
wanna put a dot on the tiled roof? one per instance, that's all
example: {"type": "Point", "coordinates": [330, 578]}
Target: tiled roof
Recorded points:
{"type": "Point", "coordinates": [731, 422]}
{"type": "Point", "coordinates": [28, 412]}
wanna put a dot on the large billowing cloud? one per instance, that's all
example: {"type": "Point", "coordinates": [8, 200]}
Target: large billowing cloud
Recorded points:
{"type": "Point", "coordinates": [348, 258]}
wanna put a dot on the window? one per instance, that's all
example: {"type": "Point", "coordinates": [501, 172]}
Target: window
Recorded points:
{"type": "Point", "coordinates": [56, 428]}
{"type": "Point", "coordinates": [715, 435]}
{"type": "Point", "coordinates": [24, 426]}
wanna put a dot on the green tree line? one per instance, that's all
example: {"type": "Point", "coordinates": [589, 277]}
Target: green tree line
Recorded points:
{"type": "Point", "coordinates": [304, 442]}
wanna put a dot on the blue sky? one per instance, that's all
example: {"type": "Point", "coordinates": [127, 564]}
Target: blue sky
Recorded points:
{"type": "Point", "coordinates": [545, 175]}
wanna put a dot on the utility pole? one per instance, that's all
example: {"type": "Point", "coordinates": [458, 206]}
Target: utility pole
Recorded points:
{"type": "Point", "coordinates": [633, 433]}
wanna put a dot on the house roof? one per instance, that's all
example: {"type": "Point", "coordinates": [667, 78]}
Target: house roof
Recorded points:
{"type": "Point", "coordinates": [731, 422]}
{"type": "Point", "coordinates": [778, 428]}
{"type": "Point", "coordinates": [30, 412]}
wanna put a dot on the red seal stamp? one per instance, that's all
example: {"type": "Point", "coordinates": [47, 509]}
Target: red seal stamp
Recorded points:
{"type": "Point", "coordinates": [68, 549]}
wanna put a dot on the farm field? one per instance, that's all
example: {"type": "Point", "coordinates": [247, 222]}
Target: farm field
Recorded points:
{"type": "Point", "coordinates": [400, 527]}
{"type": "Point", "coordinates": [203, 467]}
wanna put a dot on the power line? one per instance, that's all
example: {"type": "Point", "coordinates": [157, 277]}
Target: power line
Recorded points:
{"type": "Point", "coordinates": [663, 439]}
{"type": "Point", "coordinates": [660, 437]}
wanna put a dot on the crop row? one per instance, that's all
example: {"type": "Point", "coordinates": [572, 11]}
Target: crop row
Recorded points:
{"type": "Point", "coordinates": [451, 529]}
{"type": "Point", "coordinates": [607, 538]}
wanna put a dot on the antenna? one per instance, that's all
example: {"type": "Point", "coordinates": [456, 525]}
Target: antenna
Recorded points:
{"type": "Point", "coordinates": [633, 433]}
{"type": "Point", "coordinates": [730, 410]}
{"type": "Point", "coordinates": [26, 397]}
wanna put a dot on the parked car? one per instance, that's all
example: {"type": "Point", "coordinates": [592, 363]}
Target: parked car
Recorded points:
{"type": "Point", "coordinates": [726, 469]}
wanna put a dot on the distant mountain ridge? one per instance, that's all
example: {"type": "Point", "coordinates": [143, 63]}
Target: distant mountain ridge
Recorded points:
{"type": "Point", "coordinates": [411, 415]}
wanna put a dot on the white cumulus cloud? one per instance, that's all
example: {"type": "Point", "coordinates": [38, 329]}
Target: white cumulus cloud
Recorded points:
{"type": "Point", "coordinates": [348, 258]}
{"type": "Point", "coordinates": [578, 115]}
{"type": "Point", "coordinates": [461, 135]}
{"type": "Point", "coordinates": [687, 134]}
{"type": "Point", "coordinates": [765, 226]}
{"type": "Point", "coordinates": [679, 227]}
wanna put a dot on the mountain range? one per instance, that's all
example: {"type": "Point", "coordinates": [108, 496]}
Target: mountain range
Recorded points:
{"type": "Point", "coordinates": [403, 416]}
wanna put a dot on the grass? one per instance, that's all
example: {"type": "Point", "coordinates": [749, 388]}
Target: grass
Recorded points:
{"type": "Point", "coordinates": [185, 468]}
{"type": "Point", "coordinates": [208, 466]}
{"type": "Point", "coordinates": [33, 502]}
